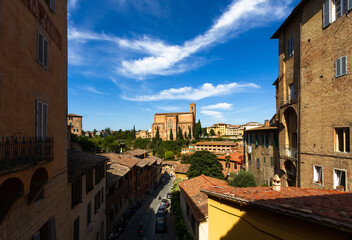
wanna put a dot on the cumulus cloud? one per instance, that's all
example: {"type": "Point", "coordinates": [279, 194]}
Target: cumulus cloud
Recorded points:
{"type": "Point", "coordinates": [160, 58]}
{"type": "Point", "coordinates": [213, 114]}
{"type": "Point", "coordinates": [204, 91]}
{"type": "Point", "coordinates": [93, 90]}
{"type": "Point", "coordinates": [223, 106]}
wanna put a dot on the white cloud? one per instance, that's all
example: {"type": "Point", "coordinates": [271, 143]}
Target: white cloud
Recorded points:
{"type": "Point", "coordinates": [161, 58]}
{"type": "Point", "coordinates": [169, 108]}
{"type": "Point", "coordinates": [93, 90]}
{"type": "Point", "coordinates": [223, 106]}
{"type": "Point", "coordinates": [213, 114]}
{"type": "Point", "coordinates": [204, 91]}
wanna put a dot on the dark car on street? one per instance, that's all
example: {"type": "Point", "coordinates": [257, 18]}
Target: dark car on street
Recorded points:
{"type": "Point", "coordinates": [165, 202]}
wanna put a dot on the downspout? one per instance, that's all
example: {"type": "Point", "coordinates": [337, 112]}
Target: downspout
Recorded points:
{"type": "Point", "coordinates": [299, 104]}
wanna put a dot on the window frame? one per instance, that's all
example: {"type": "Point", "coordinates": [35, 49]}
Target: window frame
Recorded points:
{"type": "Point", "coordinates": [290, 47]}
{"type": "Point", "coordinates": [322, 175]}
{"type": "Point", "coordinates": [333, 175]}
{"type": "Point", "coordinates": [346, 140]}
{"type": "Point", "coordinates": [74, 188]}
{"type": "Point", "coordinates": [89, 213]}
{"type": "Point", "coordinates": [41, 119]}
{"type": "Point", "coordinates": [41, 43]}
{"type": "Point", "coordinates": [89, 181]}
{"type": "Point", "coordinates": [339, 67]}
{"type": "Point", "coordinates": [258, 163]}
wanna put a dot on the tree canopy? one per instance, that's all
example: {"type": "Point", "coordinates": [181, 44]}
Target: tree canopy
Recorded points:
{"type": "Point", "coordinates": [204, 162]}
{"type": "Point", "coordinates": [168, 155]}
{"type": "Point", "coordinates": [243, 179]}
{"type": "Point", "coordinates": [171, 135]}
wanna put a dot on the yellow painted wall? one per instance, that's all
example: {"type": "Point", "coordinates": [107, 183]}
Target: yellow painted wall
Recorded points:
{"type": "Point", "coordinates": [228, 220]}
{"type": "Point", "coordinates": [180, 175]}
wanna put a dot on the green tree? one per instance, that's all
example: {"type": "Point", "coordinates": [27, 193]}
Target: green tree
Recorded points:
{"type": "Point", "coordinates": [204, 162]}
{"type": "Point", "coordinates": [189, 133]}
{"type": "Point", "coordinates": [212, 132]}
{"type": "Point", "coordinates": [168, 155]}
{"type": "Point", "coordinates": [180, 136]}
{"type": "Point", "coordinates": [171, 135]}
{"type": "Point", "coordinates": [157, 135]}
{"type": "Point", "coordinates": [108, 131]}
{"type": "Point", "coordinates": [134, 132]}
{"type": "Point", "coordinates": [94, 132]}
{"type": "Point", "coordinates": [243, 179]}
{"type": "Point", "coordinates": [204, 132]}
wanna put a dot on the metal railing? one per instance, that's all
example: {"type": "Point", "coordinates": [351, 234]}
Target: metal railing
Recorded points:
{"type": "Point", "coordinates": [288, 152]}
{"type": "Point", "coordinates": [20, 151]}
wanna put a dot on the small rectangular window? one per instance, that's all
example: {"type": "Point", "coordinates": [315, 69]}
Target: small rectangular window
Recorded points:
{"type": "Point", "coordinates": [76, 192]}
{"type": "Point", "coordinates": [292, 91]}
{"type": "Point", "coordinates": [290, 47]}
{"type": "Point", "coordinates": [326, 13]}
{"type": "Point", "coordinates": [256, 139]}
{"type": "Point", "coordinates": [318, 174]}
{"type": "Point", "coordinates": [102, 194]}
{"type": "Point", "coordinates": [258, 163]}
{"type": "Point", "coordinates": [89, 181]}
{"type": "Point", "coordinates": [41, 119]}
{"type": "Point", "coordinates": [96, 202]}
{"type": "Point", "coordinates": [342, 140]}
{"type": "Point", "coordinates": [340, 180]}
{"type": "Point", "coordinates": [89, 212]}
{"type": "Point", "coordinates": [42, 50]}
{"type": "Point", "coordinates": [341, 66]}
{"type": "Point", "coordinates": [272, 161]}
{"type": "Point", "coordinates": [249, 159]}
{"type": "Point", "coordinates": [76, 229]}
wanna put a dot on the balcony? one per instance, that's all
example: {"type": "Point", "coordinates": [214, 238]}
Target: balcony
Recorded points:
{"type": "Point", "coordinates": [288, 152]}
{"type": "Point", "coordinates": [18, 152]}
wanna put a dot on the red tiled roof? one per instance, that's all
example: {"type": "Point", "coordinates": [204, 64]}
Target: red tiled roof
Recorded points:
{"type": "Point", "coordinates": [124, 160]}
{"type": "Point", "coordinates": [136, 152]}
{"type": "Point", "coordinates": [172, 163]}
{"type": "Point", "coordinates": [328, 207]}
{"type": "Point", "coordinates": [216, 143]}
{"type": "Point", "coordinates": [182, 168]}
{"type": "Point", "coordinates": [114, 172]}
{"type": "Point", "coordinates": [197, 200]}
{"type": "Point", "coordinates": [237, 157]}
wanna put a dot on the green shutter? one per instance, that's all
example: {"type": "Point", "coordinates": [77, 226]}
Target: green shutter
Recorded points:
{"type": "Point", "coordinates": [272, 161]}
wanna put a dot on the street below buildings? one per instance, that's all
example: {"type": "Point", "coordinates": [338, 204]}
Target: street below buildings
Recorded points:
{"type": "Point", "coordinates": [146, 215]}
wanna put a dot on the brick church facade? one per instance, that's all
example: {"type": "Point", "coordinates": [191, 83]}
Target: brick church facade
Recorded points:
{"type": "Point", "coordinates": [167, 122]}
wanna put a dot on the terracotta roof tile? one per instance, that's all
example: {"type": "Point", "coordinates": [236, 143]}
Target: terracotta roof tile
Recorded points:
{"type": "Point", "coordinates": [115, 171]}
{"type": "Point", "coordinates": [80, 163]}
{"type": "Point", "coordinates": [124, 160]}
{"type": "Point", "coordinates": [182, 168]}
{"type": "Point", "coordinates": [237, 157]}
{"type": "Point", "coordinates": [136, 152]}
{"type": "Point", "coordinates": [197, 200]}
{"type": "Point", "coordinates": [322, 206]}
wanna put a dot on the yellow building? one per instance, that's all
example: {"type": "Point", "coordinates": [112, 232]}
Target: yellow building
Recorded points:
{"type": "Point", "coordinates": [33, 100]}
{"type": "Point", "coordinates": [75, 121]}
{"type": "Point", "coordinates": [181, 171]}
{"type": "Point", "coordinates": [292, 213]}
{"type": "Point", "coordinates": [218, 128]}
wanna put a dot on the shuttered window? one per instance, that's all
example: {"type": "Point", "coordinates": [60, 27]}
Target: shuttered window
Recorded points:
{"type": "Point", "coordinates": [326, 13]}
{"type": "Point", "coordinates": [349, 4]}
{"type": "Point", "coordinates": [42, 50]}
{"type": "Point", "coordinates": [41, 119]}
{"type": "Point", "coordinates": [341, 66]}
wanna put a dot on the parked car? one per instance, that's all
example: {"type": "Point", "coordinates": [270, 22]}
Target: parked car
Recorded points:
{"type": "Point", "coordinates": [160, 227]}
{"type": "Point", "coordinates": [165, 202]}
{"type": "Point", "coordinates": [168, 196]}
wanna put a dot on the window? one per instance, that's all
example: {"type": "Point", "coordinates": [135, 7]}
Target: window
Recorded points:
{"type": "Point", "coordinates": [318, 174]}
{"type": "Point", "coordinates": [249, 159]}
{"type": "Point", "coordinates": [326, 13]}
{"type": "Point", "coordinates": [89, 212]}
{"type": "Point", "coordinates": [75, 130]}
{"type": "Point", "coordinates": [42, 50]}
{"type": "Point", "coordinates": [266, 140]}
{"type": "Point", "coordinates": [339, 8]}
{"type": "Point", "coordinates": [96, 202]}
{"type": "Point", "coordinates": [289, 47]}
{"type": "Point", "coordinates": [342, 140]}
{"type": "Point", "coordinates": [89, 181]}
{"type": "Point", "coordinates": [258, 163]}
{"type": "Point", "coordinates": [102, 194]}
{"type": "Point", "coordinates": [292, 91]}
{"type": "Point", "coordinates": [264, 160]}
{"type": "Point", "coordinates": [341, 66]}
{"type": "Point", "coordinates": [228, 165]}
{"type": "Point", "coordinates": [99, 173]}
{"type": "Point", "coordinates": [256, 139]}
{"type": "Point", "coordinates": [47, 231]}
{"type": "Point", "coordinates": [51, 4]}
{"type": "Point", "coordinates": [76, 229]}
{"type": "Point", "coordinates": [263, 139]}
{"type": "Point", "coordinates": [41, 119]}
{"type": "Point", "coordinates": [76, 192]}
{"type": "Point", "coordinates": [276, 140]}
{"type": "Point", "coordinates": [339, 179]}
{"type": "Point", "coordinates": [70, 118]}
{"type": "Point", "coordinates": [272, 161]}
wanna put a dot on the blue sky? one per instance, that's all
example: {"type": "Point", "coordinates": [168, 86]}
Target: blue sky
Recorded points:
{"type": "Point", "coordinates": [129, 59]}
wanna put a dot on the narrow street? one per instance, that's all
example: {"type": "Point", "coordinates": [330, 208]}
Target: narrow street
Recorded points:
{"type": "Point", "coordinates": [146, 215]}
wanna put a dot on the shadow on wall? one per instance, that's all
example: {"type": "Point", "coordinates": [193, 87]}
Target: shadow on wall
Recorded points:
{"type": "Point", "coordinates": [310, 217]}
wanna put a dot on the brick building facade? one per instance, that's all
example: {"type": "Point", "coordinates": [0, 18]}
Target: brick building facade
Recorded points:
{"type": "Point", "coordinates": [33, 100]}
{"type": "Point", "coordinates": [172, 122]}
{"type": "Point", "coordinates": [313, 95]}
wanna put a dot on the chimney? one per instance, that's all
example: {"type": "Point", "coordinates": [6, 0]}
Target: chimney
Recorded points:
{"type": "Point", "coordinates": [276, 183]}
{"type": "Point", "coordinates": [267, 123]}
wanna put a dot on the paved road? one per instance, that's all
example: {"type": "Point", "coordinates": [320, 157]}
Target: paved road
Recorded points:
{"type": "Point", "coordinates": [146, 214]}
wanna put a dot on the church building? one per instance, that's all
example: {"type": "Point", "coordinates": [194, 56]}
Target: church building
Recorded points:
{"type": "Point", "coordinates": [167, 122]}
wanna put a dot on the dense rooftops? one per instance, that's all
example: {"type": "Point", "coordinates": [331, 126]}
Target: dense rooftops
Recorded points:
{"type": "Point", "coordinates": [216, 143]}
{"type": "Point", "coordinates": [182, 168]}
{"type": "Point", "coordinates": [125, 160]}
{"type": "Point", "coordinates": [79, 163]}
{"type": "Point", "coordinates": [197, 200]}
{"type": "Point", "coordinates": [236, 156]}
{"type": "Point", "coordinates": [327, 207]}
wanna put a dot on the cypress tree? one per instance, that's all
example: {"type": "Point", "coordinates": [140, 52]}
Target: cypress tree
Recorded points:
{"type": "Point", "coordinates": [157, 135]}
{"type": "Point", "coordinates": [171, 135]}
